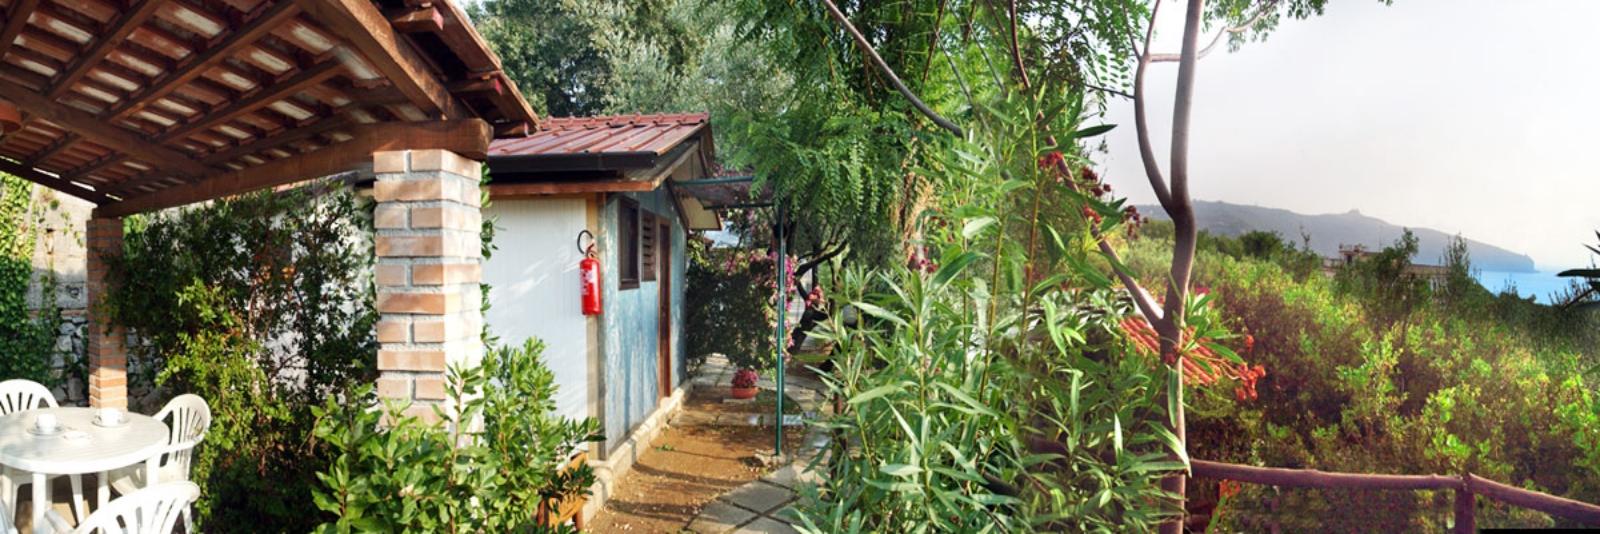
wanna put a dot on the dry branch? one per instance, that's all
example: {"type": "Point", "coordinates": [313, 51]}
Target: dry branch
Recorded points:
{"type": "Point", "coordinates": [894, 79]}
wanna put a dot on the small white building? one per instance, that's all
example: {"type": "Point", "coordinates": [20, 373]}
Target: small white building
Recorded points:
{"type": "Point", "coordinates": [609, 182]}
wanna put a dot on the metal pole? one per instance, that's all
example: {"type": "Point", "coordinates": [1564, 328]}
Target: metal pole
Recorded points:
{"type": "Point", "coordinates": [783, 308]}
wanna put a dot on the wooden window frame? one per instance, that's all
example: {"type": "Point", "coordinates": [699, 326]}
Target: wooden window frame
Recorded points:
{"type": "Point", "coordinates": [628, 243]}
{"type": "Point", "coordinates": [648, 246]}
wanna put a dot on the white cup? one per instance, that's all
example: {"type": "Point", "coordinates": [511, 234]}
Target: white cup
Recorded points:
{"type": "Point", "coordinates": [109, 416]}
{"type": "Point", "coordinates": [46, 423]}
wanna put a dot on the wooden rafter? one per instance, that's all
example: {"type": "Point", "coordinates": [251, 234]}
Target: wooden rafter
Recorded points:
{"type": "Point", "coordinates": [200, 62]}
{"type": "Point", "coordinates": [260, 145]}
{"type": "Point", "coordinates": [118, 32]}
{"type": "Point", "coordinates": [90, 127]}
{"type": "Point", "coordinates": [130, 186]}
{"type": "Point", "coordinates": [83, 172]}
{"type": "Point", "coordinates": [16, 19]}
{"type": "Point", "coordinates": [469, 137]}
{"type": "Point", "coordinates": [271, 92]}
{"type": "Point", "coordinates": [417, 20]}
{"type": "Point", "coordinates": [360, 23]}
{"type": "Point", "coordinates": [53, 182]}
{"type": "Point", "coordinates": [50, 150]}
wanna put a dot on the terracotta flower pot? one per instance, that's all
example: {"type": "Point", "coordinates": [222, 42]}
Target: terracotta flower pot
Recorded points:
{"type": "Point", "coordinates": [744, 393]}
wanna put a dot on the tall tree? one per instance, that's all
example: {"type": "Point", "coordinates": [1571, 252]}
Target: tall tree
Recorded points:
{"type": "Point", "coordinates": [568, 56]}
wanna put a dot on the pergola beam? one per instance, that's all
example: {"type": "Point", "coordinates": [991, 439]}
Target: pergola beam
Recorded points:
{"type": "Point", "coordinates": [361, 24]}
{"type": "Point", "coordinates": [53, 148]}
{"type": "Point", "coordinates": [269, 93]}
{"type": "Point", "coordinates": [132, 186]}
{"type": "Point", "coordinates": [103, 44]}
{"type": "Point", "coordinates": [16, 19]}
{"type": "Point", "coordinates": [468, 137]}
{"type": "Point", "coordinates": [53, 182]}
{"type": "Point", "coordinates": [93, 128]}
{"type": "Point", "coordinates": [201, 62]}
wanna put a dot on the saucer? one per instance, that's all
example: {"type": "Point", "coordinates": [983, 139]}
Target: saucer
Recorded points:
{"type": "Point", "coordinates": [122, 423]}
{"type": "Point", "coordinates": [35, 431]}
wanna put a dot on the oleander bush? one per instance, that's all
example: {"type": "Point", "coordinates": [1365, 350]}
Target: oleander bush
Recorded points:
{"type": "Point", "coordinates": [729, 305]}
{"type": "Point", "coordinates": [475, 473]}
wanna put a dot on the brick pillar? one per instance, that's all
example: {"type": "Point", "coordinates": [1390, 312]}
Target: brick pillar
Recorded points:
{"type": "Point", "coordinates": [428, 269]}
{"type": "Point", "coordinates": [107, 343]}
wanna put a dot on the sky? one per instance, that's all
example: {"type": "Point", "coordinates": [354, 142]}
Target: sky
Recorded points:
{"type": "Point", "coordinates": [1478, 117]}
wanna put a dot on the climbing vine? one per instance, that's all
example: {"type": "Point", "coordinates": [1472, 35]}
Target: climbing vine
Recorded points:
{"type": "Point", "coordinates": [27, 337]}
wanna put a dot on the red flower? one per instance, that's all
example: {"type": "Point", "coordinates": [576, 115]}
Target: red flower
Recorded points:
{"type": "Point", "coordinates": [1050, 160]}
{"type": "Point", "coordinates": [1229, 488]}
{"type": "Point", "coordinates": [745, 378]}
{"type": "Point", "coordinates": [1091, 214]}
{"type": "Point", "coordinates": [1249, 342]}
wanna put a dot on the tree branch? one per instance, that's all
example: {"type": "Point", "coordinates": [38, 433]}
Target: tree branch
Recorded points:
{"type": "Point", "coordinates": [894, 79]}
{"type": "Point", "coordinates": [1141, 122]}
{"type": "Point", "coordinates": [1109, 91]}
{"type": "Point", "coordinates": [1215, 39]}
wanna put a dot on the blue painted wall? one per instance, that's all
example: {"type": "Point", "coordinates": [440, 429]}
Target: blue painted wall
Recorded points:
{"type": "Point", "coordinates": [629, 336]}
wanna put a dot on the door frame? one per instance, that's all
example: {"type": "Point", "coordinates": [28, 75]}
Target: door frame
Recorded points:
{"type": "Point", "coordinates": [664, 314]}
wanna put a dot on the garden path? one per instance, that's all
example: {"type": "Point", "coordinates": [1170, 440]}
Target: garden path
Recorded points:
{"type": "Point", "coordinates": [706, 473]}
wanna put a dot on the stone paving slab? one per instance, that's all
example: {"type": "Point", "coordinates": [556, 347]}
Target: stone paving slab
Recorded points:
{"type": "Point", "coordinates": [766, 525]}
{"type": "Point", "coordinates": [719, 517]}
{"type": "Point", "coordinates": [759, 496]}
{"type": "Point", "coordinates": [765, 505]}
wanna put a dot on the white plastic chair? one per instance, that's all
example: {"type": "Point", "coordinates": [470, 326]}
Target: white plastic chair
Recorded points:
{"type": "Point", "coordinates": [5, 522]}
{"type": "Point", "coordinates": [18, 395]}
{"type": "Point", "coordinates": [149, 511]}
{"type": "Point", "coordinates": [188, 417]}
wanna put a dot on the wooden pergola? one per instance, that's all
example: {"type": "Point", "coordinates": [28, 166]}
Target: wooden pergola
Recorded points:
{"type": "Point", "coordinates": [148, 104]}
{"type": "Point", "coordinates": [141, 105]}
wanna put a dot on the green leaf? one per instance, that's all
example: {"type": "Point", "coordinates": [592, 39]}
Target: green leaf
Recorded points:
{"type": "Point", "coordinates": [953, 267]}
{"type": "Point", "coordinates": [962, 396]}
{"type": "Point", "coordinates": [1225, 352]}
{"type": "Point", "coordinates": [879, 312]}
{"type": "Point", "coordinates": [1116, 433]}
{"type": "Point", "coordinates": [900, 470]}
{"type": "Point", "coordinates": [976, 226]}
{"type": "Point", "coordinates": [1092, 131]}
{"type": "Point", "coordinates": [875, 393]}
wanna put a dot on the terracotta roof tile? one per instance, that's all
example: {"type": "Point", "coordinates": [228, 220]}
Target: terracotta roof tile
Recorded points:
{"type": "Point", "coordinates": [613, 134]}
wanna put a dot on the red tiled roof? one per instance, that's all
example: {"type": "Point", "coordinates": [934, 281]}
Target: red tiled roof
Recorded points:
{"type": "Point", "coordinates": [1146, 341]}
{"type": "Point", "coordinates": [617, 134]}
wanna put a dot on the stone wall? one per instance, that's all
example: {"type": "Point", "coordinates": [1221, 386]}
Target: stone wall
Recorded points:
{"type": "Point", "coordinates": [59, 259]}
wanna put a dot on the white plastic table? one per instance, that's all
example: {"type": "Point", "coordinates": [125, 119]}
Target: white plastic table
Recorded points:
{"type": "Point", "coordinates": [103, 449]}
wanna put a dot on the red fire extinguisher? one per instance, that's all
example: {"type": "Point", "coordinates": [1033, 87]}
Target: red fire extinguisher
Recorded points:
{"type": "Point", "coordinates": [589, 275]}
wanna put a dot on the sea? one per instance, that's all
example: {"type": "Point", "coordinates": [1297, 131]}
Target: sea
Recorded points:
{"type": "Point", "coordinates": [1540, 285]}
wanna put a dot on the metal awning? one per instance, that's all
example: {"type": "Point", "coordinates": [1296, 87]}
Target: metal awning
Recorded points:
{"type": "Point", "coordinates": [727, 193]}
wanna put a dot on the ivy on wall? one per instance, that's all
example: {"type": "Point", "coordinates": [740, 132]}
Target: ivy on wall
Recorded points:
{"type": "Point", "coordinates": [27, 339]}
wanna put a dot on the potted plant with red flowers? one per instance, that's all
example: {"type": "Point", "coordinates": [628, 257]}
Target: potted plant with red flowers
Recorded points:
{"type": "Point", "coordinates": [744, 384]}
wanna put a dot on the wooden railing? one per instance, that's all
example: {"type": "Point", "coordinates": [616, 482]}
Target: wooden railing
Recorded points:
{"type": "Point", "coordinates": [1467, 488]}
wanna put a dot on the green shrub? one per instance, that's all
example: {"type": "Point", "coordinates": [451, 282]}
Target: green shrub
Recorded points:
{"type": "Point", "coordinates": [262, 305]}
{"type": "Point", "coordinates": [394, 473]}
{"type": "Point", "coordinates": [991, 388]}
{"type": "Point", "coordinates": [729, 305]}
{"type": "Point", "coordinates": [1439, 385]}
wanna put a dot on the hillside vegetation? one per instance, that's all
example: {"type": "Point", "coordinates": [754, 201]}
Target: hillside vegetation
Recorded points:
{"type": "Point", "coordinates": [1371, 371]}
{"type": "Point", "coordinates": [1324, 233]}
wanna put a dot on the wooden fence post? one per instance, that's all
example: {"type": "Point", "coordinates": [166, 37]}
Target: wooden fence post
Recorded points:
{"type": "Point", "coordinates": [1466, 508]}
